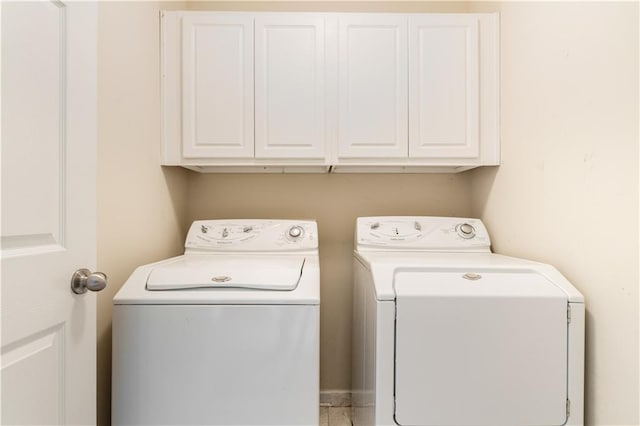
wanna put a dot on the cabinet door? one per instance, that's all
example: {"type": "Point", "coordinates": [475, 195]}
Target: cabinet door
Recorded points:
{"type": "Point", "coordinates": [290, 102]}
{"type": "Point", "coordinates": [443, 86]}
{"type": "Point", "coordinates": [372, 86]}
{"type": "Point", "coordinates": [217, 85]}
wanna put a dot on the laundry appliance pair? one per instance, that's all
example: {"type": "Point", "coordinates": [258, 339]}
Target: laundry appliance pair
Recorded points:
{"type": "Point", "coordinates": [445, 332]}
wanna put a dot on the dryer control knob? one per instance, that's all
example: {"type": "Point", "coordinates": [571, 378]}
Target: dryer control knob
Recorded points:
{"type": "Point", "coordinates": [295, 232]}
{"type": "Point", "coordinates": [466, 230]}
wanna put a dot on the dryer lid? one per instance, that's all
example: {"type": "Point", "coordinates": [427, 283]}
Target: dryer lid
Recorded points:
{"type": "Point", "coordinates": [494, 343]}
{"type": "Point", "coordinates": [478, 282]}
{"type": "Point", "coordinates": [206, 271]}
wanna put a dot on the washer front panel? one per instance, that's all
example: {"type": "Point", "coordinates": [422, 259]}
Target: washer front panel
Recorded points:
{"type": "Point", "coordinates": [215, 365]}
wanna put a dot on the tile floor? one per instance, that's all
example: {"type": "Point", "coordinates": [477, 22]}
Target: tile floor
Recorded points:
{"type": "Point", "coordinates": [335, 416]}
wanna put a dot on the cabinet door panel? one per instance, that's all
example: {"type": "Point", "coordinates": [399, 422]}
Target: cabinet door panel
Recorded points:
{"type": "Point", "coordinates": [372, 91]}
{"type": "Point", "coordinates": [290, 100]}
{"type": "Point", "coordinates": [443, 86]}
{"type": "Point", "coordinates": [217, 86]}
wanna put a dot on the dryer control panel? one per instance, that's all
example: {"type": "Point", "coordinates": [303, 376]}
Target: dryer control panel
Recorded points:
{"type": "Point", "coordinates": [422, 233]}
{"type": "Point", "coordinates": [252, 235]}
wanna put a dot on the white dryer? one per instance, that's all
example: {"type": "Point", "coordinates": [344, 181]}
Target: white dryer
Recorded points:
{"type": "Point", "coordinates": [226, 334]}
{"type": "Point", "coordinates": [447, 333]}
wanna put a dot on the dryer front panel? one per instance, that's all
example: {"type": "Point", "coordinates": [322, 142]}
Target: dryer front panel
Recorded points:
{"type": "Point", "coordinates": [488, 348]}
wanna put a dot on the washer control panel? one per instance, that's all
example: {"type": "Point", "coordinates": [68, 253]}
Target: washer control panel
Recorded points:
{"type": "Point", "coordinates": [296, 232]}
{"type": "Point", "coordinates": [252, 235]}
{"type": "Point", "coordinates": [425, 233]}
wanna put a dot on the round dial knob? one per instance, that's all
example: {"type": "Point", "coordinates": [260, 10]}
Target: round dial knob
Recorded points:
{"type": "Point", "coordinates": [295, 232]}
{"type": "Point", "coordinates": [466, 230]}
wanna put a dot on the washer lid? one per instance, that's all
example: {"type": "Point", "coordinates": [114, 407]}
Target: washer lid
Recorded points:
{"type": "Point", "coordinates": [261, 273]}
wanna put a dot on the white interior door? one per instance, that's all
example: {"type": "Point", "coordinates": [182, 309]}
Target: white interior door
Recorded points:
{"type": "Point", "coordinates": [48, 211]}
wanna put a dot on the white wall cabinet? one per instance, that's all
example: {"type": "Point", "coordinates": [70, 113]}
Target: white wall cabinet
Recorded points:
{"type": "Point", "coordinates": [289, 87]}
{"type": "Point", "coordinates": [348, 92]}
{"type": "Point", "coordinates": [217, 86]}
{"type": "Point", "coordinates": [444, 87]}
{"type": "Point", "coordinates": [433, 106]}
{"type": "Point", "coordinates": [372, 86]}
{"type": "Point", "coordinates": [244, 92]}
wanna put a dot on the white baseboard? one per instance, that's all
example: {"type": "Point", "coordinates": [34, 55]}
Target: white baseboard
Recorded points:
{"type": "Point", "coordinates": [335, 398]}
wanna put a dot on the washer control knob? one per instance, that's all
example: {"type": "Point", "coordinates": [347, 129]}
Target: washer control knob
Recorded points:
{"type": "Point", "coordinates": [466, 230]}
{"type": "Point", "coordinates": [295, 232]}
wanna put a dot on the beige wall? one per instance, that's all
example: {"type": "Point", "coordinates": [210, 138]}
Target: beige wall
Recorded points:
{"type": "Point", "coordinates": [141, 206]}
{"type": "Point", "coordinates": [567, 190]}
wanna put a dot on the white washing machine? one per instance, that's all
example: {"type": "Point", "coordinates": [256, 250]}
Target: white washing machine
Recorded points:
{"type": "Point", "coordinates": [226, 334]}
{"type": "Point", "coordinates": [447, 333]}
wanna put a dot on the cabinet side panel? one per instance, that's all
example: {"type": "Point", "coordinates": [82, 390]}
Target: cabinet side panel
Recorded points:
{"type": "Point", "coordinates": [170, 66]}
{"type": "Point", "coordinates": [489, 88]}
